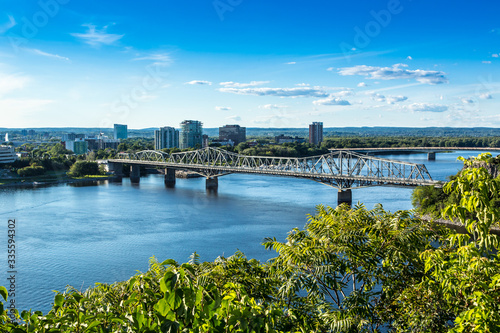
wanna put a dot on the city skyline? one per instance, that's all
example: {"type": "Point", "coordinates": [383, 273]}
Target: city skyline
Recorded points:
{"type": "Point", "coordinates": [252, 63]}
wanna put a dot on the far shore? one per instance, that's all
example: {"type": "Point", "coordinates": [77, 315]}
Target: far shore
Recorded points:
{"type": "Point", "coordinates": [65, 180]}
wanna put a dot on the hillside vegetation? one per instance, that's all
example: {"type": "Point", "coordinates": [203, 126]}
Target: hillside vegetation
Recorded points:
{"type": "Point", "coordinates": [348, 270]}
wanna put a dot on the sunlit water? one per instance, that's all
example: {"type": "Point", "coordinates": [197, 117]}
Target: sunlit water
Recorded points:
{"type": "Point", "coordinates": [78, 236]}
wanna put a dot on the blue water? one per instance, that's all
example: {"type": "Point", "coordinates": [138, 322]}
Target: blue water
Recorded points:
{"type": "Point", "coordinates": [78, 236]}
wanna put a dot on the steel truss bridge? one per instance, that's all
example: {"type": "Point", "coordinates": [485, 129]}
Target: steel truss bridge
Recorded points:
{"type": "Point", "coordinates": [343, 170]}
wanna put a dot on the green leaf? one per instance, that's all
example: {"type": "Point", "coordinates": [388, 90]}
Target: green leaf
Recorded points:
{"type": "Point", "coordinates": [93, 324]}
{"type": "Point", "coordinates": [169, 262]}
{"type": "Point", "coordinates": [3, 292]}
{"type": "Point", "coordinates": [162, 307]}
{"type": "Point", "coordinates": [58, 300]}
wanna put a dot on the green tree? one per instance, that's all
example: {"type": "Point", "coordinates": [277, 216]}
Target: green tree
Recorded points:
{"type": "Point", "coordinates": [84, 168]}
{"type": "Point", "coordinates": [346, 270]}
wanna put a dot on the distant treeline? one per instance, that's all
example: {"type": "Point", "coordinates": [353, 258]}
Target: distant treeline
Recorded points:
{"type": "Point", "coordinates": [391, 141]}
{"type": "Point", "coordinates": [306, 149]}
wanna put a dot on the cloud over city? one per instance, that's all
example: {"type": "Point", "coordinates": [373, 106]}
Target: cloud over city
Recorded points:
{"type": "Point", "coordinates": [231, 84]}
{"type": "Point", "coordinates": [424, 107]}
{"type": "Point", "coordinates": [199, 82]}
{"type": "Point", "coordinates": [279, 92]}
{"type": "Point", "coordinates": [97, 37]}
{"type": "Point", "coordinates": [397, 71]}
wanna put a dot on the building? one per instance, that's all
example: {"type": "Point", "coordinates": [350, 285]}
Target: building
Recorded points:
{"type": "Point", "coordinates": [234, 133]}
{"type": "Point", "coordinates": [224, 142]}
{"type": "Point", "coordinates": [204, 138]}
{"type": "Point", "coordinates": [166, 137]}
{"type": "Point", "coordinates": [68, 137]}
{"type": "Point", "coordinates": [280, 139]}
{"type": "Point", "coordinates": [120, 132]}
{"type": "Point", "coordinates": [101, 142]}
{"type": "Point", "coordinates": [316, 133]}
{"type": "Point", "coordinates": [7, 154]}
{"type": "Point", "coordinates": [191, 135]}
{"type": "Point", "coordinates": [78, 146]}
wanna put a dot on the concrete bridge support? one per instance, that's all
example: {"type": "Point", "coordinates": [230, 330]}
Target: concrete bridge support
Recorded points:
{"type": "Point", "coordinates": [212, 184]}
{"type": "Point", "coordinates": [116, 168]}
{"type": "Point", "coordinates": [169, 177]}
{"type": "Point", "coordinates": [431, 156]}
{"type": "Point", "coordinates": [135, 174]}
{"type": "Point", "coordinates": [345, 196]}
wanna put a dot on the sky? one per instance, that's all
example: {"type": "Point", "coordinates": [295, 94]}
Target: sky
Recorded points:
{"type": "Point", "coordinates": [256, 63]}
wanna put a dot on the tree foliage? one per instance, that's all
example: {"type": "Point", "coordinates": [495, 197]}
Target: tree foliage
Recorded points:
{"type": "Point", "coordinates": [84, 168]}
{"type": "Point", "coordinates": [348, 270]}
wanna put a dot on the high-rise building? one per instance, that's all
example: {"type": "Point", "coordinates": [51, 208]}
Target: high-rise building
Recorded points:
{"type": "Point", "coordinates": [234, 133]}
{"type": "Point", "coordinates": [166, 137]}
{"type": "Point", "coordinates": [191, 135]}
{"type": "Point", "coordinates": [120, 132]}
{"type": "Point", "coordinates": [316, 133]}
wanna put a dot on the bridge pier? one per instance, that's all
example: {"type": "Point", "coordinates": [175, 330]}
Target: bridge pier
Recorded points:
{"type": "Point", "coordinates": [169, 177]}
{"type": "Point", "coordinates": [212, 184]}
{"type": "Point", "coordinates": [431, 156]}
{"type": "Point", "coordinates": [344, 196]}
{"type": "Point", "coordinates": [135, 174]}
{"type": "Point", "coordinates": [115, 168]}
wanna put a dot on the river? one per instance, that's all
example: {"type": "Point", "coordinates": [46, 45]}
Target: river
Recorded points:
{"type": "Point", "coordinates": [80, 235]}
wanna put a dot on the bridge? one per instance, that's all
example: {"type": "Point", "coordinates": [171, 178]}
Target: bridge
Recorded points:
{"type": "Point", "coordinates": [430, 151]}
{"type": "Point", "coordinates": [343, 170]}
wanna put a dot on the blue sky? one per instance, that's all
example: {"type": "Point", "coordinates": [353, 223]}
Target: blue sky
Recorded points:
{"type": "Point", "coordinates": [414, 63]}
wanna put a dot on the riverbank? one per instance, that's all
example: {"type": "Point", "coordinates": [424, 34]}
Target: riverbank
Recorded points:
{"type": "Point", "coordinates": [65, 180]}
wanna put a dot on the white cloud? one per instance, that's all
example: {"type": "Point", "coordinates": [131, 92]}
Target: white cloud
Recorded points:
{"type": "Point", "coordinates": [8, 25]}
{"type": "Point", "coordinates": [280, 92]}
{"type": "Point", "coordinates": [495, 55]}
{"type": "Point", "coordinates": [291, 63]}
{"type": "Point", "coordinates": [362, 84]}
{"type": "Point", "coordinates": [396, 99]}
{"type": "Point", "coordinates": [23, 105]}
{"type": "Point", "coordinates": [222, 108]}
{"type": "Point", "coordinates": [343, 93]}
{"type": "Point", "coordinates": [9, 83]}
{"type": "Point", "coordinates": [467, 101]}
{"type": "Point", "coordinates": [486, 62]}
{"type": "Point", "coordinates": [199, 82]}
{"type": "Point", "coordinates": [158, 58]}
{"type": "Point", "coordinates": [332, 100]}
{"type": "Point", "coordinates": [302, 84]}
{"type": "Point", "coordinates": [234, 118]}
{"type": "Point", "coordinates": [272, 107]}
{"type": "Point", "coordinates": [395, 72]}
{"type": "Point", "coordinates": [45, 54]}
{"type": "Point", "coordinates": [409, 58]}
{"type": "Point", "coordinates": [485, 96]}
{"type": "Point", "coordinates": [423, 107]}
{"type": "Point", "coordinates": [231, 84]}
{"type": "Point", "coordinates": [97, 37]}
{"type": "Point", "coordinates": [377, 97]}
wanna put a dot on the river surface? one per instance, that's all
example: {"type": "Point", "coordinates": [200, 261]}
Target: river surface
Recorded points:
{"type": "Point", "coordinates": [80, 235]}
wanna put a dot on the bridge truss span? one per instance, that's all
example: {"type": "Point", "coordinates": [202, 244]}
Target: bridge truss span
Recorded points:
{"type": "Point", "coordinates": [340, 169]}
